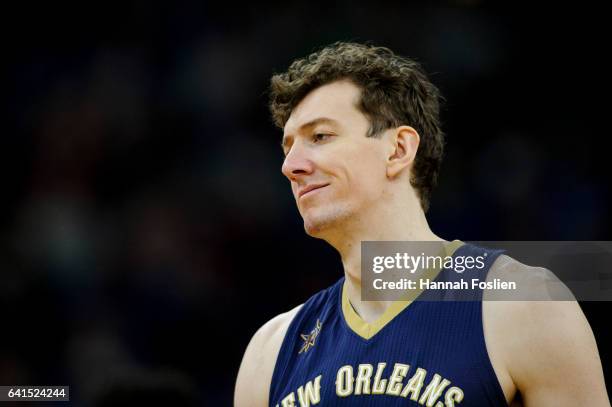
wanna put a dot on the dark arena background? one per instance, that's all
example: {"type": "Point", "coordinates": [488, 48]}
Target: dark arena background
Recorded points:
{"type": "Point", "coordinates": [146, 228]}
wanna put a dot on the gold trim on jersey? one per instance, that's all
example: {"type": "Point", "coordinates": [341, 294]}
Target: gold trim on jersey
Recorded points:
{"type": "Point", "coordinates": [368, 330]}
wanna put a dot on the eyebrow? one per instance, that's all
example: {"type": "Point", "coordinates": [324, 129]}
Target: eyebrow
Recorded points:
{"type": "Point", "coordinates": [312, 123]}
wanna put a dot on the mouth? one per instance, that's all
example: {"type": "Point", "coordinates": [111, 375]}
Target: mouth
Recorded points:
{"type": "Point", "coordinates": [309, 189]}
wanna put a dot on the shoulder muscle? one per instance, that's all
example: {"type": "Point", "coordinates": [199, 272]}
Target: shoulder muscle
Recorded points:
{"type": "Point", "coordinates": [255, 374]}
{"type": "Point", "coordinates": [546, 346]}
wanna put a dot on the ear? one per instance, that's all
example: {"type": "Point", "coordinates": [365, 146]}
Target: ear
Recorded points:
{"type": "Point", "coordinates": [405, 143]}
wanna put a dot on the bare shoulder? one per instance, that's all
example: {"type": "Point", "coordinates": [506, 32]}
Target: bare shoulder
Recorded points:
{"type": "Point", "coordinates": [532, 283]}
{"type": "Point", "coordinates": [255, 374]}
{"type": "Point", "coordinates": [536, 341]}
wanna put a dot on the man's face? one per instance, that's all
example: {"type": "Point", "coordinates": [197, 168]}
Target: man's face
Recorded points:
{"type": "Point", "coordinates": [336, 172]}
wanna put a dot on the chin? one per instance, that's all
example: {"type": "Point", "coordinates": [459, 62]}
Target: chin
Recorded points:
{"type": "Point", "coordinates": [318, 221]}
{"type": "Point", "coordinates": [314, 229]}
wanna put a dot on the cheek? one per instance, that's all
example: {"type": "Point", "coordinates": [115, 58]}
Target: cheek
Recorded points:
{"type": "Point", "coordinates": [366, 177]}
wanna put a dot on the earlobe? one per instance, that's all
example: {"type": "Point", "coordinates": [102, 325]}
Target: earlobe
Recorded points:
{"type": "Point", "coordinates": [405, 142]}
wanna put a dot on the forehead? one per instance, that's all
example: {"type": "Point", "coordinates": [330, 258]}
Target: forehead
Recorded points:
{"type": "Point", "coordinates": [337, 101]}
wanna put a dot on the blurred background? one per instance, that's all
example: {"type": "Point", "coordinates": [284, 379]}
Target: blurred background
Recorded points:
{"type": "Point", "coordinates": [146, 229]}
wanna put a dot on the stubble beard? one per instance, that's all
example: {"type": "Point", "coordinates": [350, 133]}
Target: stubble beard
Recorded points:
{"type": "Point", "coordinates": [323, 221]}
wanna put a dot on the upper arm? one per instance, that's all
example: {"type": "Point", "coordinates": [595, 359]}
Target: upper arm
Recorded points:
{"type": "Point", "coordinates": [547, 347]}
{"type": "Point", "coordinates": [557, 361]}
{"type": "Point", "coordinates": [255, 374]}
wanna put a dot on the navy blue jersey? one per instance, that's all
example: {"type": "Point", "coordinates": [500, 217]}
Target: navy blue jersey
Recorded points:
{"type": "Point", "coordinates": [426, 352]}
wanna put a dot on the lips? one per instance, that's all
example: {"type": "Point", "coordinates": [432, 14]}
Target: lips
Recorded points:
{"type": "Point", "coordinates": [309, 188]}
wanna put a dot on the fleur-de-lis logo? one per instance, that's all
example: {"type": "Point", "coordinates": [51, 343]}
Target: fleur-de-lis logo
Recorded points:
{"type": "Point", "coordinates": [309, 340]}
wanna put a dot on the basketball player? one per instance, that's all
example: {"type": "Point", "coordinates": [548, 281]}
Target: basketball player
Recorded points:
{"type": "Point", "coordinates": [363, 146]}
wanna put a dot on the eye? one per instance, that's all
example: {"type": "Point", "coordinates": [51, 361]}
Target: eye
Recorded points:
{"type": "Point", "coordinates": [320, 137]}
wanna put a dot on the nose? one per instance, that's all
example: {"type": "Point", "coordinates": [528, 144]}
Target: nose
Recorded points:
{"type": "Point", "coordinates": [297, 162]}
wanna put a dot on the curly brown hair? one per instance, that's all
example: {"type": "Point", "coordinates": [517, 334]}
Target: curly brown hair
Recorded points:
{"type": "Point", "coordinates": [395, 91]}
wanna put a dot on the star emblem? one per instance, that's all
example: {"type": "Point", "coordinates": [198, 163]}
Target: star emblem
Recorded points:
{"type": "Point", "coordinates": [309, 339]}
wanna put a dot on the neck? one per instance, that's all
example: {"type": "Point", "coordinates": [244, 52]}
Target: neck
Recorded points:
{"type": "Point", "coordinates": [404, 222]}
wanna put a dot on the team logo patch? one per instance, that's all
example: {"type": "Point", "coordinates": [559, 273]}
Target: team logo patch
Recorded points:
{"type": "Point", "coordinates": [309, 340]}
